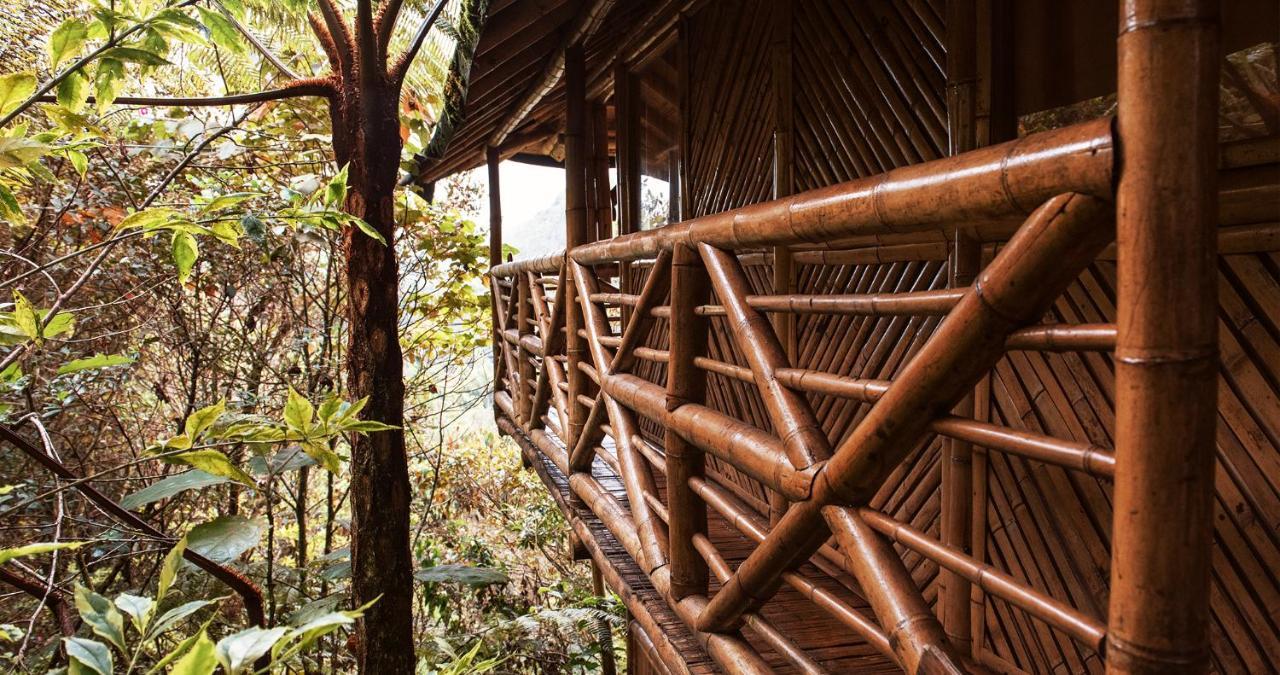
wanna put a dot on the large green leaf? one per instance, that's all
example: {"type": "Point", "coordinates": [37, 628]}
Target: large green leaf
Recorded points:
{"type": "Point", "coordinates": [221, 31]}
{"type": "Point", "coordinates": [66, 40]}
{"type": "Point", "coordinates": [169, 570]}
{"type": "Point", "coordinates": [108, 79]}
{"type": "Point", "coordinates": [93, 362]}
{"type": "Point", "coordinates": [204, 418]}
{"type": "Point", "coordinates": [224, 539]}
{"type": "Point", "coordinates": [139, 608]}
{"type": "Point", "coordinates": [290, 458]}
{"type": "Point", "coordinates": [168, 487]}
{"type": "Point", "coordinates": [200, 658]}
{"type": "Point", "coordinates": [90, 654]}
{"type": "Point", "coordinates": [211, 461]}
{"type": "Point", "coordinates": [101, 615]}
{"type": "Point", "coordinates": [73, 91]}
{"type": "Point", "coordinates": [185, 252]}
{"type": "Point", "coordinates": [238, 652]}
{"type": "Point", "coordinates": [135, 55]}
{"type": "Point", "coordinates": [171, 618]}
{"type": "Point", "coordinates": [298, 411]}
{"type": "Point", "coordinates": [34, 549]}
{"type": "Point", "coordinates": [14, 89]}
{"type": "Point", "coordinates": [461, 574]}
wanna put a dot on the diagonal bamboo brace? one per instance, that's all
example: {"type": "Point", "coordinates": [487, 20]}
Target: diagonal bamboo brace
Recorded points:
{"type": "Point", "coordinates": [1047, 253]}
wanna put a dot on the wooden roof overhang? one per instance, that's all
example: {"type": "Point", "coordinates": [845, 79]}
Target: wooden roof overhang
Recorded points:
{"type": "Point", "coordinates": [515, 95]}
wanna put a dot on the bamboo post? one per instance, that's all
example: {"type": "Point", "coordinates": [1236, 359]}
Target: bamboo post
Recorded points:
{"type": "Point", "coordinates": [784, 275]}
{"type": "Point", "coordinates": [575, 234]}
{"type": "Point", "coordinates": [1166, 352]}
{"type": "Point", "coordinates": [495, 243]}
{"type": "Point", "coordinates": [524, 326]}
{"type": "Point", "coordinates": [686, 383]}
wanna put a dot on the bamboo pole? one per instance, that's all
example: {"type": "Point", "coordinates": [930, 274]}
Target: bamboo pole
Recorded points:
{"type": "Point", "coordinates": [686, 383]}
{"type": "Point", "coordinates": [524, 328]}
{"type": "Point", "coordinates": [1059, 239]}
{"type": "Point", "coordinates": [1166, 354]}
{"type": "Point", "coordinates": [495, 240]}
{"type": "Point", "coordinates": [575, 233]}
{"type": "Point", "coordinates": [914, 632]}
{"type": "Point", "coordinates": [957, 470]}
{"type": "Point", "coordinates": [990, 182]}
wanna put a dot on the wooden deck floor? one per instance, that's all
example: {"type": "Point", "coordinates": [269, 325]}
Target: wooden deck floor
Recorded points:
{"type": "Point", "coordinates": [828, 642]}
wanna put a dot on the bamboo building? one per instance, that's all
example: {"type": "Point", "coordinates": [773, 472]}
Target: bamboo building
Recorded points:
{"type": "Point", "coordinates": [905, 335]}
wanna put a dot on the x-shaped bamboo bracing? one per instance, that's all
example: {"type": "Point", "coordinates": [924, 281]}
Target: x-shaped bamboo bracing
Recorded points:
{"type": "Point", "coordinates": [1052, 247]}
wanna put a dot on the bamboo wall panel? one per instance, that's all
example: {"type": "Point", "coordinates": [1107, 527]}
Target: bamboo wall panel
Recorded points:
{"type": "Point", "coordinates": [729, 115]}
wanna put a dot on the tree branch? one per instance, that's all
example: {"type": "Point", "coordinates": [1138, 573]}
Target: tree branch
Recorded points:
{"type": "Point", "coordinates": [327, 44]}
{"type": "Point", "coordinates": [248, 592]}
{"type": "Point", "coordinates": [367, 42]}
{"type": "Point", "coordinates": [253, 40]}
{"type": "Point", "coordinates": [343, 45]}
{"type": "Point", "coordinates": [297, 89]}
{"type": "Point", "coordinates": [388, 15]}
{"type": "Point", "coordinates": [53, 597]}
{"type": "Point", "coordinates": [402, 66]}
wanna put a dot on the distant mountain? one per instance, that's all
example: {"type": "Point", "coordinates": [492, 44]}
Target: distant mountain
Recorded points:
{"type": "Point", "coordinates": [539, 233]}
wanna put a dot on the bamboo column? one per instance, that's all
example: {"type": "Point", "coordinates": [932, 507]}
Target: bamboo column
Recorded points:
{"type": "Point", "coordinates": [1166, 352]}
{"type": "Point", "coordinates": [965, 258]}
{"type": "Point", "coordinates": [524, 357]}
{"type": "Point", "coordinates": [495, 244]}
{"type": "Point", "coordinates": [575, 234]}
{"type": "Point", "coordinates": [686, 383]}
{"type": "Point", "coordinates": [784, 275]}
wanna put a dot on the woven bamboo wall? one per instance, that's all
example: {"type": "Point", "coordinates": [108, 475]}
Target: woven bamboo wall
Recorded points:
{"type": "Point", "coordinates": [869, 95]}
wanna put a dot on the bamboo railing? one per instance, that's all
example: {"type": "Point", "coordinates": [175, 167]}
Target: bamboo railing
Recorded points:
{"type": "Point", "coordinates": [570, 393]}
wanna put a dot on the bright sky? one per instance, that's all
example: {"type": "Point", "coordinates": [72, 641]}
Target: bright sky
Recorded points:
{"type": "Point", "coordinates": [532, 207]}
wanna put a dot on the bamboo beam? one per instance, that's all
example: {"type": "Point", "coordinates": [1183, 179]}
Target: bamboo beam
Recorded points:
{"type": "Point", "coordinates": [686, 384]}
{"type": "Point", "coordinates": [1167, 354]}
{"type": "Point", "coordinates": [495, 240]}
{"type": "Point", "coordinates": [914, 632]}
{"type": "Point", "coordinates": [1046, 254]}
{"type": "Point", "coordinates": [991, 182]}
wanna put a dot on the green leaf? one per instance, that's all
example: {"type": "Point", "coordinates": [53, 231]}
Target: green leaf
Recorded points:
{"type": "Point", "coordinates": [62, 323]}
{"type": "Point", "coordinates": [90, 654]}
{"type": "Point", "coordinates": [286, 459]}
{"type": "Point", "coordinates": [73, 91]}
{"type": "Point", "coordinates": [335, 193]}
{"type": "Point", "coordinates": [227, 201]}
{"type": "Point", "coordinates": [368, 229]}
{"type": "Point", "coordinates": [108, 80]}
{"type": "Point", "coordinates": [168, 487]}
{"type": "Point", "coordinates": [135, 55]}
{"type": "Point", "coordinates": [79, 161]}
{"type": "Point", "coordinates": [461, 574]}
{"type": "Point", "coordinates": [365, 426]}
{"type": "Point", "coordinates": [14, 89]}
{"type": "Point", "coordinates": [298, 412]}
{"type": "Point", "coordinates": [138, 608]}
{"type": "Point", "coordinates": [8, 554]}
{"type": "Point", "coordinates": [319, 451]}
{"type": "Point", "coordinates": [171, 618]}
{"type": "Point", "coordinates": [304, 636]}
{"type": "Point", "coordinates": [224, 539]}
{"type": "Point", "coordinates": [169, 569]}
{"type": "Point", "coordinates": [212, 461]}
{"type": "Point", "coordinates": [221, 30]}
{"type": "Point", "coordinates": [24, 315]}
{"type": "Point", "coordinates": [204, 418]}
{"type": "Point", "coordinates": [148, 219]}
{"type": "Point", "coordinates": [185, 252]}
{"type": "Point", "coordinates": [94, 362]}
{"type": "Point", "coordinates": [180, 649]}
{"type": "Point", "coordinates": [200, 659]}
{"type": "Point", "coordinates": [10, 210]}
{"type": "Point", "coordinates": [101, 615]}
{"type": "Point", "coordinates": [239, 651]}
{"type": "Point", "coordinates": [66, 40]}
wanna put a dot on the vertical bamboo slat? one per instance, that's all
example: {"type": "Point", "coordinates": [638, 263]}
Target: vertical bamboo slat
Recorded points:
{"type": "Point", "coordinates": [495, 242]}
{"type": "Point", "coordinates": [1166, 355]}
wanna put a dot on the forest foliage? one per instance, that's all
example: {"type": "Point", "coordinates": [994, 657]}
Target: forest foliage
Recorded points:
{"type": "Point", "coordinates": [172, 330]}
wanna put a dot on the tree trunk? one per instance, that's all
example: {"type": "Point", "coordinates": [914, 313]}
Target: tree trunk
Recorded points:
{"type": "Point", "coordinates": [367, 140]}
